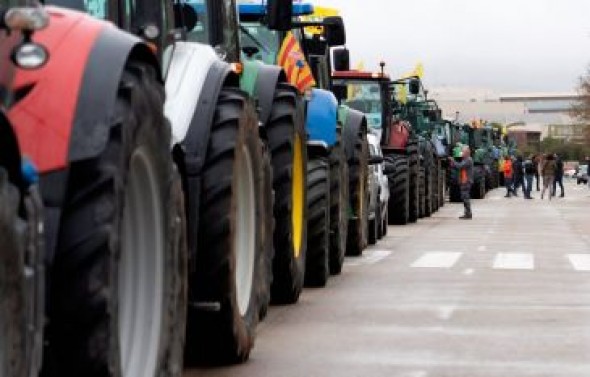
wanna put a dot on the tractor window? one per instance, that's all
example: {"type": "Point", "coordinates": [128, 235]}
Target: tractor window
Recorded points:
{"type": "Point", "coordinates": [364, 96]}
{"type": "Point", "coordinates": [259, 38]}
{"type": "Point", "coordinates": [96, 8]}
{"type": "Point", "coordinates": [200, 32]}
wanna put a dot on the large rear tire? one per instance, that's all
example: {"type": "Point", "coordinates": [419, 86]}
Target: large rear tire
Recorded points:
{"type": "Point", "coordinates": [286, 140]}
{"type": "Point", "coordinates": [118, 283]}
{"type": "Point", "coordinates": [264, 288]}
{"type": "Point", "coordinates": [422, 192]}
{"type": "Point", "coordinates": [442, 178]}
{"type": "Point", "coordinates": [398, 207]}
{"type": "Point", "coordinates": [339, 199]}
{"type": "Point", "coordinates": [414, 173]}
{"type": "Point", "coordinates": [358, 225]}
{"type": "Point", "coordinates": [225, 286]}
{"type": "Point", "coordinates": [317, 269]}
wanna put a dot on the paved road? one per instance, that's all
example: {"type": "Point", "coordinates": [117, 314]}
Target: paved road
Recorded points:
{"type": "Point", "coordinates": [505, 295]}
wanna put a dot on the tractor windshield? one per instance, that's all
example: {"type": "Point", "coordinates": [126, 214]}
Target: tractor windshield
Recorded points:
{"type": "Point", "coordinates": [364, 96]}
{"type": "Point", "coordinates": [200, 31]}
{"type": "Point", "coordinates": [262, 42]}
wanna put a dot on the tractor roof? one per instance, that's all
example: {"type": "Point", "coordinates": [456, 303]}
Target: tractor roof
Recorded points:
{"type": "Point", "coordinates": [359, 75]}
{"type": "Point", "coordinates": [299, 9]}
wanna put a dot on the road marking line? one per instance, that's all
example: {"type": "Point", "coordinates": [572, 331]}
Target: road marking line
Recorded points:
{"type": "Point", "coordinates": [377, 256]}
{"type": "Point", "coordinates": [437, 260]}
{"type": "Point", "coordinates": [468, 271]}
{"type": "Point", "coordinates": [580, 262]}
{"type": "Point", "coordinates": [514, 261]}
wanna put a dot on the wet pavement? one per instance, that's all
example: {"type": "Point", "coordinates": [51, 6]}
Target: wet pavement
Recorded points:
{"type": "Point", "coordinates": [505, 295]}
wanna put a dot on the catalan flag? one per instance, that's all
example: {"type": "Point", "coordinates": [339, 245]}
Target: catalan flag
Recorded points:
{"type": "Point", "coordinates": [292, 59]}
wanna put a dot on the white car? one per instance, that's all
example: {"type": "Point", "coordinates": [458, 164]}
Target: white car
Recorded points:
{"type": "Point", "coordinates": [379, 190]}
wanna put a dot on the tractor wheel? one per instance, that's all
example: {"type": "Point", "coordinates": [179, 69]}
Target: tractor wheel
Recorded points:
{"type": "Point", "coordinates": [379, 223]}
{"type": "Point", "coordinates": [118, 282]}
{"type": "Point", "coordinates": [478, 188]}
{"type": "Point", "coordinates": [385, 223]}
{"type": "Point", "coordinates": [286, 140]}
{"type": "Point", "coordinates": [317, 268]}
{"type": "Point", "coordinates": [436, 185]}
{"type": "Point", "coordinates": [21, 294]}
{"type": "Point", "coordinates": [414, 173]}
{"type": "Point", "coordinates": [422, 192]}
{"type": "Point", "coordinates": [358, 225]}
{"type": "Point", "coordinates": [441, 187]}
{"type": "Point", "coordinates": [374, 227]}
{"type": "Point", "coordinates": [229, 266]}
{"type": "Point", "coordinates": [429, 192]}
{"type": "Point", "coordinates": [264, 289]}
{"type": "Point", "coordinates": [339, 199]}
{"type": "Point", "coordinates": [399, 190]}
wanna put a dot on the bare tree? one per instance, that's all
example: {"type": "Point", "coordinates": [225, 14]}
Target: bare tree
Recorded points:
{"type": "Point", "coordinates": [581, 108]}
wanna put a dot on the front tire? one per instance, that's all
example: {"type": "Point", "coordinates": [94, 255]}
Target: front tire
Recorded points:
{"type": "Point", "coordinates": [317, 269]}
{"type": "Point", "coordinates": [398, 206]}
{"type": "Point", "coordinates": [118, 283]}
{"type": "Point", "coordinates": [339, 199]}
{"type": "Point", "coordinates": [286, 140]}
{"type": "Point", "coordinates": [358, 225]}
{"type": "Point", "coordinates": [225, 285]}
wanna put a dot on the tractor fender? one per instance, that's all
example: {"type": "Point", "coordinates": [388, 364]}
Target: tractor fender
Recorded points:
{"type": "Point", "coordinates": [193, 92]}
{"type": "Point", "coordinates": [65, 108]}
{"type": "Point", "coordinates": [354, 123]}
{"type": "Point", "coordinates": [264, 90]}
{"type": "Point", "coordinates": [322, 117]}
{"type": "Point", "coordinates": [193, 68]}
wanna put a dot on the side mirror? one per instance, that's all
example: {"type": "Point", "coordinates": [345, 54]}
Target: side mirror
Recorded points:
{"type": "Point", "coordinates": [414, 86]}
{"type": "Point", "coordinates": [334, 31]}
{"type": "Point", "coordinates": [341, 59]}
{"type": "Point", "coordinates": [375, 160]}
{"type": "Point", "coordinates": [279, 14]}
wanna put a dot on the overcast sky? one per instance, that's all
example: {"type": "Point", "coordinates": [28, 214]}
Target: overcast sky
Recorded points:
{"type": "Point", "coordinates": [503, 45]}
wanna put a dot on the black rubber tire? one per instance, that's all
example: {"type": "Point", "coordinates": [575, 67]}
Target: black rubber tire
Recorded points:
{"type": "Point", "coordinates": [441, 187]}
{"type": "Point", "coordinates": [217, 332]}
{"type": "Point", "coordinates": [373, 235]}
{"type": "Point", "coordinates": [379, 220]}
{"type": "Point", "coordinates": [264, 288]}
{"type": "Point", "coordinates": [398, 207]}
{"type": "Point", "coordinates": [284, 125]}
{"type": "Point", "coordinates": [339, 199]}
{"type": "Point", "coordinates": [83, 328]}
{"type": "Point", "coordinates": [13, 233]}
{"type": "Point", "coordinates": [385, 223]}
{"type": "Point", "coordinates": [358, 169]}
{"type": "Point", "coordinates": [414, 173]}
{"type": "Point", "coordinates": [317, 267]}
{"type": "Point", "coordinates": [422, 192]}
{"type": "Point", "coordinates": [436, 184]}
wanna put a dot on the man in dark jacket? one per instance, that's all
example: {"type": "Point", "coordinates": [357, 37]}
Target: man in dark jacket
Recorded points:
{"type": "Point", "coordinates": [558, 176]}
{"type": "Point", "coordinates": [518, 175]}
{"type": "Point", "coordinates": [530, 170]}
{"type": "Point", "coordinates": [465, 176]}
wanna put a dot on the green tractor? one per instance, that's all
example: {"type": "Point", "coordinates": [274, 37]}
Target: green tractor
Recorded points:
{"type": "Point", "coordinates": [331, 158]}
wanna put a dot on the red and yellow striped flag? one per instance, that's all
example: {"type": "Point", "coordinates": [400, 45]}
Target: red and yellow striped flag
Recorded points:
{"type": "Point", "coordinates": [292, 59]}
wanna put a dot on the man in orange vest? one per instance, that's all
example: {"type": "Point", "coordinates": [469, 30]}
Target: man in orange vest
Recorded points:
{"type": "Point", "coordinates": [465, 175]}
{"type": "Point", "coordinates": [509, 176]}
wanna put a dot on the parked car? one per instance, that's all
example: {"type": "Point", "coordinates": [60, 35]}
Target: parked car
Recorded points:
{"type": "Point", "coordinates": [379, 190]}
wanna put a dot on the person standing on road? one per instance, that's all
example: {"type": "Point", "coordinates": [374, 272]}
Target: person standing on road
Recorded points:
{"type": "Point", "coordinates": [518, 174]}
{"type": "Point", "coordinates": [509, 176]}
{"type": "Point", "coordinates": [558, 176]}
{"type": "Point", "coordinates": [537, 163]}
{"type": "Point", "coordinates": [548, 173]}
{"type": "Point", "coordinates": [529, 173]}
{"type": "Point", "coordinates": [465, 174]}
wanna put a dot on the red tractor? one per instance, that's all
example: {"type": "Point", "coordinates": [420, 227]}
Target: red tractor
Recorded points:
{"type": "Point", "coordinates": [91, 121]}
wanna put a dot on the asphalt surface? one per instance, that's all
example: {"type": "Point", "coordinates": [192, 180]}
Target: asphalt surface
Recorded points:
{"type": "Point", "coordinates": [506, 294]}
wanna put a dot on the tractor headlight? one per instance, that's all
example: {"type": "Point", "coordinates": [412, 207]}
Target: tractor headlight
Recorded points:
{"type": "Point", "coordinates": [29, 55]}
